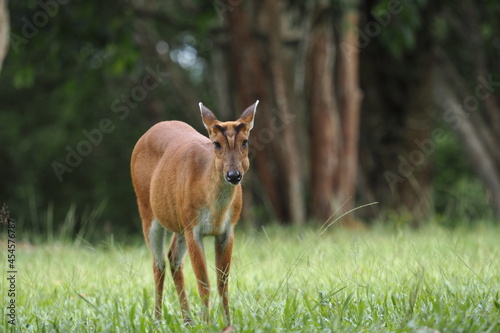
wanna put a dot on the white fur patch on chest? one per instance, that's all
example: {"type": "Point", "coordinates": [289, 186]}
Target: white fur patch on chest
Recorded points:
{"type": "Point", "coordinates": [207, 226]}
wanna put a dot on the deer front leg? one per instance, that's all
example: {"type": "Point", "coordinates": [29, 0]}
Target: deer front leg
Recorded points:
{"type": "Point", "coordinates": [223, 251]}
{"type": "Point", "coordinates": [176, 254]}
{"type": "Point", "coordinates": [197, 255]}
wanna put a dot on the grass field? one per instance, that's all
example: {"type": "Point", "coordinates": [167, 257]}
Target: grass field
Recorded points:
{"type": "Point", "coordinates": [283, 280]}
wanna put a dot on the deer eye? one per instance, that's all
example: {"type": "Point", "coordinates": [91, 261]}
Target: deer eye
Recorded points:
{"type": "Point", "coordinates": [244, 144]}
{"type": "Point", "coordinates": [217, 145]}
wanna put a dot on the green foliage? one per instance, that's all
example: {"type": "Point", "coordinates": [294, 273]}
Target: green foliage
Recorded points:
{"type": "Point", "coordinates": [459, 197]}
{"type": "Point", "coordinates": [400, 34]}
{"type": "Point", "coordinates": [282, 280]}
{"type": "Point", "coordinates": [62, 77]}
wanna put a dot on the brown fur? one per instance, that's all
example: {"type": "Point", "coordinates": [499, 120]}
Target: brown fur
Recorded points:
{"type": "Point", "coordinates": [179, 177]}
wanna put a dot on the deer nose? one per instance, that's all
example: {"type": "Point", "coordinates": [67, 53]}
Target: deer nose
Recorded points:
{"type": "Point", "coordinates": [234, 177]}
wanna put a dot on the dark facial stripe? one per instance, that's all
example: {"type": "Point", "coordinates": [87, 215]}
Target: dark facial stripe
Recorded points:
{"type": "Point", "coordinates": [239, 127]}
{"type": "Point", "coordinates": [224, 131]}
{"type": "Point", "coordinates": [221, 128]}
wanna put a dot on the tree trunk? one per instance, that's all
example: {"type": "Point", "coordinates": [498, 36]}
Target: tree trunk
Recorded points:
{"type": "Point", "coordinates": [396, 120]}
{"type": "Point", "coordinates": [288, 144]}
{"type": "Point", "coordinates": [415, 194]}
{"type": "Point", "coordinates": [481, 160]}
{"type": "Point", "coordinates": [467, 83]}
{"type": "Point", "coordinates": [4, 31]}
{"type": "Point", "coordinates": [473, 36]}
{"type": "Point", "coordinates": [350, 107]}
{"type": "Point", "coordinates": [324, 120]}
{"type": "Point", "coordinates": [266, 53]}
{"type": "Point", "coordinates": [249, 84]}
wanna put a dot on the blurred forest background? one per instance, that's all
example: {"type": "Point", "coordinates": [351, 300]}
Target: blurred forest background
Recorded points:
{"type": "Point", "coordinates": [360, 101]}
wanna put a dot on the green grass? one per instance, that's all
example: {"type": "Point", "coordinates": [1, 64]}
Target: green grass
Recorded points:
{"type": "Point", "coordinates": [283, 280]}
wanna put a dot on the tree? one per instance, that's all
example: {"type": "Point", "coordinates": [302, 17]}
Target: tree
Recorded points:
{"type": "Point", "coordinates": [466, 87]}
{"type": "Point", "coordinates": [4, 30]}
{"type": "Point", "coordinates": [289, 64]}
{"type": "Point", "coordinates": [337, 81]}
{"type": "Point", "coordinates": [397, 119]}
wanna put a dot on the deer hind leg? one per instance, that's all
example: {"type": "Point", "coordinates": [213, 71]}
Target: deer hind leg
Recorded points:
{"type": "Point", "coordinates": [194, 244]}
{"type": "Point", "coordinates": [176, 254]}
{"type": "Point", "coordinates": [223, 251]}
{"type": "Point", "coordinates": [156, 240]}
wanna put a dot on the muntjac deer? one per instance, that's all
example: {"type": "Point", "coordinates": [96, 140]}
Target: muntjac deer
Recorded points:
{"type": "Point", "coordinates": [189, 185]}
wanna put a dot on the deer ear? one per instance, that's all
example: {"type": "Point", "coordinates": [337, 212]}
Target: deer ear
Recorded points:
{"type": "Point", "coordinates": [207, 116]}
{"type": "Point", "coordinates": [248, 116]}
